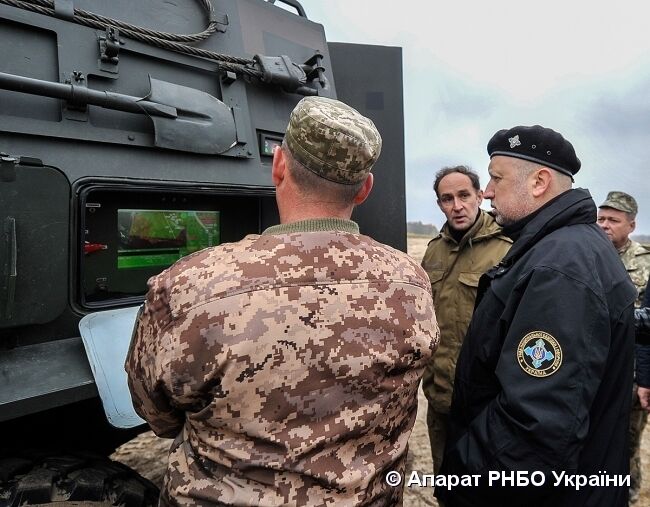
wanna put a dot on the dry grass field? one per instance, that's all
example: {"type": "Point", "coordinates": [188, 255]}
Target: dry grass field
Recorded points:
{"type": "Point", "coordinates": [148, 454]}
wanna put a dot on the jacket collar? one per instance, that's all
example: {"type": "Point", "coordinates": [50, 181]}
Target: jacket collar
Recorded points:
{"type": "Point", "coordinates": [574, 206]}
{"type": "Point", "coordinates": [484, 227]}
{"type": "Point", "coordinates": [314, 225]}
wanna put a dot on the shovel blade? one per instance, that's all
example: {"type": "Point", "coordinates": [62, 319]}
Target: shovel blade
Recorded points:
{"type": "Point", "coordinates": [203, 123]}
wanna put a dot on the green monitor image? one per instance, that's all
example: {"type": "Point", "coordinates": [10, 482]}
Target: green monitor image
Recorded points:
{"type": "Point", "coordinates": [158, 238]}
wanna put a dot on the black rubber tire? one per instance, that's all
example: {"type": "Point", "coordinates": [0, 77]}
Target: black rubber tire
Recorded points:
{"type": "Point", "coordinates": [36, 478]}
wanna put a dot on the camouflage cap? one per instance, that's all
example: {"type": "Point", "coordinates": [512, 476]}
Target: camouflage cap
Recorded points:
{"type": "Point", "coordinates": [620, 201]}
{"type": "Point", "coordinates": [333, 140]}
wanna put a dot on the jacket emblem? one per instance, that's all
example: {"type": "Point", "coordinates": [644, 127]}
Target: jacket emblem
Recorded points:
{"type": "Point", "coordinates": [539, 354]}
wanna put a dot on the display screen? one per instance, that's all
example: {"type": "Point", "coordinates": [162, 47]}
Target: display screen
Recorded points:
{"type": "Point", "coordinates": [158, 238]}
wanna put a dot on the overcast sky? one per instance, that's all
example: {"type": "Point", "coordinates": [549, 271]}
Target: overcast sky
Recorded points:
{"type": "Point", "coordinates": [474, 67]}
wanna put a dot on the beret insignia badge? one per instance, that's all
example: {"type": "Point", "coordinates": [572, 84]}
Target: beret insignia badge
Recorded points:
{"type": "Point", "coordinates": [514, 141]}
{"type": "Point", "coordinates": [539, 354]}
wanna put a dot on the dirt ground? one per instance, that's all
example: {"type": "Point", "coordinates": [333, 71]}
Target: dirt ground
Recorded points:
{"type": "Point", "coordinates": [148, 454]}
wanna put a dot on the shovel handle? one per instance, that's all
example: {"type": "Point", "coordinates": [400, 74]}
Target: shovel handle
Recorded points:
{"type": "Point", "coordinates": [82, 95]}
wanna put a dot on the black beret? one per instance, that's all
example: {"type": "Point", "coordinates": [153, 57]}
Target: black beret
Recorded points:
{"type": "Point", "coordinates": [537, 144]}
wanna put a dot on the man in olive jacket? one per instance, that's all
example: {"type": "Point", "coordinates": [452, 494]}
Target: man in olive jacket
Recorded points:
{"type": "Point", "coordinates": [469, 243]}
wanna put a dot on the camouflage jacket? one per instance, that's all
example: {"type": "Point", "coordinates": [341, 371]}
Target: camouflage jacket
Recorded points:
{"type": "Point", "coordinates": [287, 367]}
{"type": "Point", "coordinates": [636, 259]}
{"type": "Point", "coordinates": [454, 270]}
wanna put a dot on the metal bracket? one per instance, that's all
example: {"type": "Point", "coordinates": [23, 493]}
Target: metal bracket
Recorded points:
{"type": "Point", "coordinates": [221, 20]}
{"type": "Point", "coordinates": [291, 77]}
{"type": "Point", "coordinates": [8, 168]}
{"type": "Point", "coordinates": [109, 50]}
{"type": "Point", "coordinates": [64, 9]}
{"type": "Point", "coordinates": [228, 77]}
{"type": "Point", "coordinates": [316, 73]}
{"type": "Point", "coordinates": [71, 110]}
{"type": "Point", "coordinates": [281, 71]}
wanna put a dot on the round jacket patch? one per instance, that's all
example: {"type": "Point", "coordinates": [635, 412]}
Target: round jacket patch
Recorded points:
{"type": "Point", "coordinates": [539, 354]}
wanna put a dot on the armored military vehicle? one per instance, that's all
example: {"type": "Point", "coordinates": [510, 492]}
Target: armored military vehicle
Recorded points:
{"type": "Point", "coordinates": [131, 134]}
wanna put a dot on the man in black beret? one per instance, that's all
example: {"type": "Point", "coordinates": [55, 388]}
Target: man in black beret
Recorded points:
{"type": "Point", "coordinates": [541, 397]}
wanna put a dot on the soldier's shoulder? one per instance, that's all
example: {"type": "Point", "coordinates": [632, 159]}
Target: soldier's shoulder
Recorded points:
{"type": "Point", "coordinates": [638, 250]}
{"type": "Point", "coordinates": [499, 237]}
{"type": "Point", "coordinates": [206, 258]}
{"type": "Point", "coordinates": [438, 241]}
{"type": "Point", "coordinates": [386, 252]}
{"type": "Point", "coordinates": [492, 230]}
{"type": "Point", "coordinates": [643, 259]}
{"type": "Point", "coordinates": [436, 248]}
{"type": "Point", "coordinates": [205, 270]}
{"type": "Point", "coordinates": [396, 264]}
{"type": "Point", "coordinates": [438, 237]}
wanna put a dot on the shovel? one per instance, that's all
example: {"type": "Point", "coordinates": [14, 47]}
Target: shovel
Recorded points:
{"type": "Point", "coordinates": [183, 118]}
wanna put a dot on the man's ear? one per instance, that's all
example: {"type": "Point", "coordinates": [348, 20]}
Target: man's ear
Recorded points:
{"type": "Point", "coordinates": [542, 179]}
{"type": "Point", "coordinates": [632, 225]}
{"type": "Point", "coordinates": [279, 166]}
{"type": "Point", "coordinates": [364, 191]}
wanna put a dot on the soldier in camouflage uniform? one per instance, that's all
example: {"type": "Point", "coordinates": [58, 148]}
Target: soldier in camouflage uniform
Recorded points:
{"type": "Point", "coordinates": [286, 365]}
{"type": "Point", "coordinates": [616, 216]}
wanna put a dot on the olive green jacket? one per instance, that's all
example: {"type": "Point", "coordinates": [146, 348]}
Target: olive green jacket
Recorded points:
{"type": "Point", "coordinates": [454, 270]}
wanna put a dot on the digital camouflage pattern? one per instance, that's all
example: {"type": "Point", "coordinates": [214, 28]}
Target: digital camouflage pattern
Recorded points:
{"type": "Point", "coordinates": [333, 140]}
{"type": "Point", "coordinates": [620, 201]}
{"type": "Point", "coordinates": [287, 368]}
{"type": "Point", "coordinates": [636, 258]}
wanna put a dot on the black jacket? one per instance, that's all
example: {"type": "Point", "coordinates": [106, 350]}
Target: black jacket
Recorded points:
{"type": "Point", "coordinates": [545, 371]}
